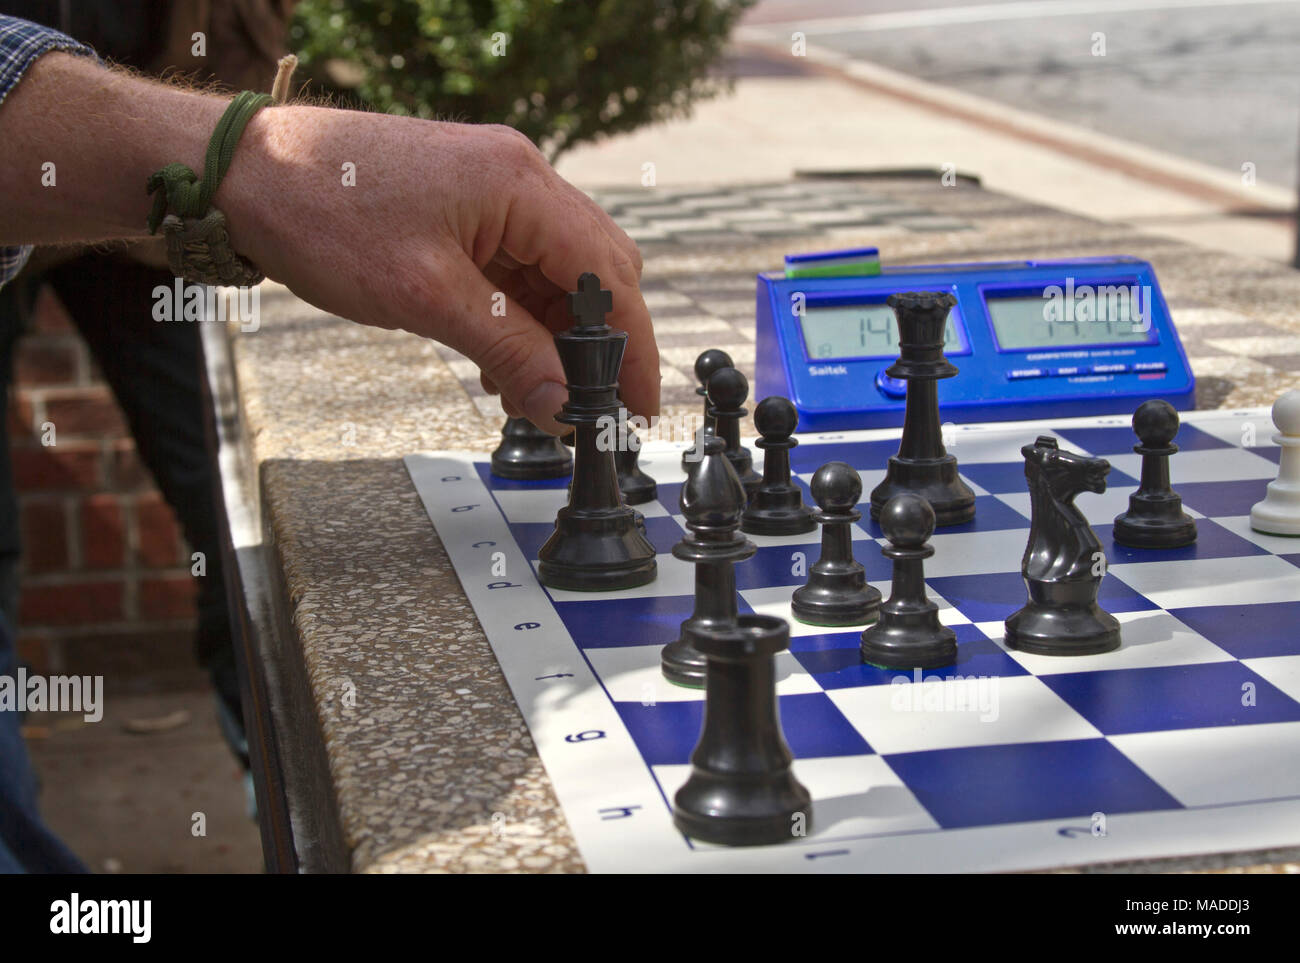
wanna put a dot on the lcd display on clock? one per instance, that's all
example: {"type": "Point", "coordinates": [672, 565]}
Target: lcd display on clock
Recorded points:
{"type": "Point", "coordinates": [859, 331]}
{"type": "Point", "coordinates": [1104, 315]}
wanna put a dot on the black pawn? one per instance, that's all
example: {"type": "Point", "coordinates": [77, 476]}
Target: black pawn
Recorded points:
{"type": "Point", "coordinates": [597, 544]}
{"type": "Point", "coordinates": [708, 362]}
{"type": "Point", "coordinates": [526, 453]}
{"type": "Point", "coordinates": [837, 592]}
{"type": "Point", "coordinates": [908, 634]}
{"type": "Point", "coordinates": [637, 487]}
{"type": "Point", "coordinates": [921, 465]}
{"type": "Point", "coordinates": [1155, 516]}
{"type": "Point", "coordinates": [741, 790]}
{"type": "Point", "coordinates": [728, 389]}
{"type": "Point", "coordinates": [711, 500]}
{"type": "Point", "coordinates": [777, 507]}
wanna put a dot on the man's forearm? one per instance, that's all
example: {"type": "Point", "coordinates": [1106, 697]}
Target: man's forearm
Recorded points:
{"type": "Point", "coordinates": [104, 132]}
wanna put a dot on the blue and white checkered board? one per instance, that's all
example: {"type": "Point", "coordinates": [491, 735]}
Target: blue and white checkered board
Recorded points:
{"type": "Point", "coordinates": [1184, 741]}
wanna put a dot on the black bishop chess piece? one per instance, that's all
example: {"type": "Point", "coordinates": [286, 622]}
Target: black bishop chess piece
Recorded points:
{"type": "Point", "coordinates": [837, 592]}
{"type": "Point", "coordinates": [1063, 564]}
{"type": "Point", "coordinates": [922, 465]}
{"type": "Point", "coordinates": [708, 362]}
{"type": "Point", "coordinates": [728, 389]}
{"type": "Point", "coordinates": [1155, 516]}
{"type": "Point", "coordinates": [776, 507]}
{"type": "Point", "coordinates": [527, 453]}
{"type": "Point", "coordinates": [711, 500]}
{"type": "Point", "coordinates": [908, 634]}
{"type": "Point", "coordinates": [637, 487]}
{"type": "Point", "coordinates": [742, 790]}
{"type": "Point", "coordinates": [597, 544]}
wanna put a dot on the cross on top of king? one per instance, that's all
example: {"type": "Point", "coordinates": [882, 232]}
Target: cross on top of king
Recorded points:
{"type": "Point", "coordinates": [589, 304]}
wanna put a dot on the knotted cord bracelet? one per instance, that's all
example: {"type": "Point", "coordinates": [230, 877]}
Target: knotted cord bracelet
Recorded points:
{"type": "Point", "coordinates": [198, 244]}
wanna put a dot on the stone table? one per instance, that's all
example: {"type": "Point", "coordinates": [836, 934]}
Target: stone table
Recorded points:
{"type": "Point", "coordinates": [384, 737]}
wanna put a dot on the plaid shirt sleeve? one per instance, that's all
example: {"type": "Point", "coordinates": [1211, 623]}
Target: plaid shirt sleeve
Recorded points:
{"type": "Point", "coordinates": [21, 43]}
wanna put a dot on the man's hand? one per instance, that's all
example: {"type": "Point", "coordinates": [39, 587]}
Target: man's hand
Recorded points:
{"type": "Point", "coordinates": [444, 221]}
{"type": "Point", "coordinates": [442, 217]}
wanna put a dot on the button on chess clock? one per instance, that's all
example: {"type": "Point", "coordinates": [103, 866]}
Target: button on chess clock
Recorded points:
{"type": "Point", "coordinates": [1033, 339]}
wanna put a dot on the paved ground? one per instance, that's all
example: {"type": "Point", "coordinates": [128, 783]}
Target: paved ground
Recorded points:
{"type": "Point", "coordinates": [1210, 80]}
{"type": "Point", "coordinates": [126, 803]}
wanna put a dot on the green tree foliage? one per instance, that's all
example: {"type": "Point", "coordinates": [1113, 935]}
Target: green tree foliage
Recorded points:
{"type": "Point", "coordinates": [560, 71]}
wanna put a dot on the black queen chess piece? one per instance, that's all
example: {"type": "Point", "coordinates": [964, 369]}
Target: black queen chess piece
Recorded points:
{"type": "Point", "coordinates": [908, 634]}
{"type": "Point", "coordinates": [1063, 563]}
{"type": "Point", "coordinates": [1155, 516]}
{"type": "Point", "coordinates": [597, 545]}
{"type": "Point", "coordinates": [837, 592]}
{"type": "Point", "coordinates": [776, 507]}
{"type": "Point", "coordinates": [742, 790]}
{"type": "Point", "coordinates": [922, 466]}
{"type": "Point", "coordinates": [527, 453]}
{"type": "Point", "coordinates": [711, 500]}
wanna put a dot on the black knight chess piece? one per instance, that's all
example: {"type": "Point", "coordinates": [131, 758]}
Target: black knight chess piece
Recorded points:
{"type": "Point", "coordinates": [728, 389]}
{"type": "Point", "coordinates": [1063, 563]}
{"type": "Point", "coordinates": [1155, 516]}
{"type": "Point", "coordinates": [708, 362]}
{"type": "Point", "coordinates": [526, 452]}
{"type": "Point", "coordinates": [777, 507]}
{"type": "Point", "coordinates": [922, 465]}
{"type": "Point", "coordinates": [908, 634]}
{"type": "Point", "coordinates": [742, 790]}
{"type": "Point", "coordinates": [711, 500]}
{"type": "Point", "coordinates": [837, 592]}
{"type": "Point", "coordinates": [597, 544]}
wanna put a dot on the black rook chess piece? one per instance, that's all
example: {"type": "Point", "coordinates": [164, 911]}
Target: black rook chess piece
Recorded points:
{"type": "Point", "coordinates": [637, 487]}
{"type": "Point", "coordinates": [708, 362]}
{"type": "Point", "coordinates": [837, 592]}
{"type": "Point", "coordinates": [921, 465]}
{"type": "Point", "coordinates": [741, 790]}
{"type": "Point", "coordinates": [908, 634]}
{"type": "Point", "coordinates": [728, 389]}
{"type": "Point", "coordinates": [526, 452]}
{"type": "Point", "coordinates": [711, 500]}
{"type": "Point", "coordinates": [596, 545]}
{"type": "Point", "coordinates": [1155, 516]}
{"type": "Point", "coordinates": [1063, 563]}
{"type": "Point", "coordinates": [776, 507]}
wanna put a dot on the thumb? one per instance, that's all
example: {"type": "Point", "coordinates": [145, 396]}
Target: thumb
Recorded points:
{"type": "Point", "coordinates": [513, 349]}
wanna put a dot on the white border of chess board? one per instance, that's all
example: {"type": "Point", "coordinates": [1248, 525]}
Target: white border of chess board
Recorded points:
{"type": "Point", "coordinates": [615, 806]}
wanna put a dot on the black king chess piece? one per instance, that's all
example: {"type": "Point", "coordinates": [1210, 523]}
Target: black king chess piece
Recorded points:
{"type": "Point", "coordinates": [728, 389]}
{"type": "Point", "coordinates": [637, 487]}
{"type": "Point", "coordinates": [776, 507]}
{"type": "Point", "coordinates": [1155, 516]}
{"type": "Point", "coordinates": [837, 592]}
{"type": "Point", "coordinates": [596, 545]}
{"type": "Point", "coordinates": [1063, 563]}
{"type": "Point", "coordinates": [711, 500]}
{"type": "Point", "coordinates": [741, 790]}
{"type": "Point", "coordinates": [708, 362]}
{"type": "Point", "coordinates": [908, 634]}
{"type": "Point", "coordinates": [527, 452]}
{"type": "Point", "coordinates": [922, 465]}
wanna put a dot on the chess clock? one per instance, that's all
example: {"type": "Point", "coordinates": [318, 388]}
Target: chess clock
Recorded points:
{"type": "Point", "coordinates": [1032, 339]}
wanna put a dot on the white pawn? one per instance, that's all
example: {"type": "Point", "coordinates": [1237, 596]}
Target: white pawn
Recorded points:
{"type": "Point", "coordinates": [1279, 512]}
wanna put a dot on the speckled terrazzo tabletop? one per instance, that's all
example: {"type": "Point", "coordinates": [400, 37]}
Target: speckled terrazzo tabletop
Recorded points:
{"type": "Point", "coordinates": [430, 766]}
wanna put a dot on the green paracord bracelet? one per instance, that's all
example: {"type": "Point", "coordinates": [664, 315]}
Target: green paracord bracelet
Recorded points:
{"type": "Point", "coordinates": [198, 245]}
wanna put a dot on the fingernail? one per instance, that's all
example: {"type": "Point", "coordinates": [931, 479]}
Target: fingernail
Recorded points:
{"type": "Point", "coordinates": [543, 404]}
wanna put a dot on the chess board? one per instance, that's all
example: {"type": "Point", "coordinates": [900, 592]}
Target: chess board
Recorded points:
{"type": "Point", "coordinates": [1184, 741]}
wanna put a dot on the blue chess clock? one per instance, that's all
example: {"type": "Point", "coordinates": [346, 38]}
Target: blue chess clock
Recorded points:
{"type": "Point", "coordinates": [1033, 339]}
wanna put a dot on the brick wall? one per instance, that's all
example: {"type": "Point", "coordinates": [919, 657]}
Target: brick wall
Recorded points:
{"type": "Point", "coordinates": [105, 576]}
